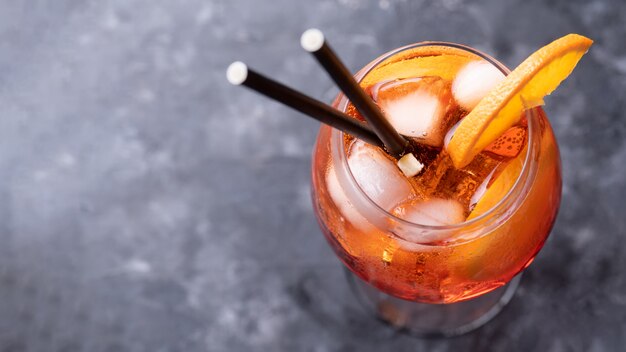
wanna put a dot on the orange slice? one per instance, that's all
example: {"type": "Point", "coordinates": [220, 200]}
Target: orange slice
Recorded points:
{"type": "Point", "coordinates": [523, 88]}
{"type": "Point", "coordinates": [499, 188]}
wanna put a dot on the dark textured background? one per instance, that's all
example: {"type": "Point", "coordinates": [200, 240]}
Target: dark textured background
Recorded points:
{"type": "Point", "coordinates": [149, 206]}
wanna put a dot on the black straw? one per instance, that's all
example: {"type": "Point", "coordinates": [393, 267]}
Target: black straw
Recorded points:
{"type": "Point", "coordinates": [239, 74]}
{"type": "Point", "coordinates": [316, 44]}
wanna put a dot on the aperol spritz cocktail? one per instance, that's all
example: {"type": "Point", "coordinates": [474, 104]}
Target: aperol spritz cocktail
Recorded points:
{"type": "Point", "coordinates": [447, 234]}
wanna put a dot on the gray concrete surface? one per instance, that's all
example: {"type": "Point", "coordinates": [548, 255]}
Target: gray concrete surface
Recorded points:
{"type": "Point", "coordinates": [146, 205]}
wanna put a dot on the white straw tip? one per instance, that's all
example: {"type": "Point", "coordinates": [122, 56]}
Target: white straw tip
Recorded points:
{"type": "Point", "coordinates": [237, 73]}
{"type": "Point", "coordinates": [312, 40]}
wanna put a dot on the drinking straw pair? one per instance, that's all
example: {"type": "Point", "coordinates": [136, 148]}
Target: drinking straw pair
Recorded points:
{"type": "Point", "coordinates": [378, 131]}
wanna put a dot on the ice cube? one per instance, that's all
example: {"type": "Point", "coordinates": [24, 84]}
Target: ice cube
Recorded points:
{"type": "Point", "coordinates": [432, 212]}
{"type": "Point", "coordinates": [343, 203]}
{"type": "Point", "coordinates": [378, 175]}
{"type": "Point", "coordinates": [474, 81]}
{"type": "Point", "coordinates": [416, 107]}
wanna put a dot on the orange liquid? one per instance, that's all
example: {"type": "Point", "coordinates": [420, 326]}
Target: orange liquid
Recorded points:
{"type": "Point", "coordinates": [459, 269]}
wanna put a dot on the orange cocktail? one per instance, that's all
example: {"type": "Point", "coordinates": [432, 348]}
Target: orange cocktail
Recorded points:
{"type": "Point", "coordinates": [441, 180]}
{"type": "Point", "coordinates": [448, 233]}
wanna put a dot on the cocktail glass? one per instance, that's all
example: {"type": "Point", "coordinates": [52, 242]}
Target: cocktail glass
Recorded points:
{"type": "Point", "coordinates": [403, 272]}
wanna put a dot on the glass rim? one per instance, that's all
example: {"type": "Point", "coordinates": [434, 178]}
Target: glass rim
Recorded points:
{"type": "Point", "coordinates": [507, 204]}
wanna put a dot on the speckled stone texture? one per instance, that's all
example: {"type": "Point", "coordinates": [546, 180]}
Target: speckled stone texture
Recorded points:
{"type": "Point", "coordinates": [149, 206]}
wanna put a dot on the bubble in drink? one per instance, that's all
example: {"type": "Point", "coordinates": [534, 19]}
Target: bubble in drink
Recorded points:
{"type": "Point", "coordinates": [509, 145]}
